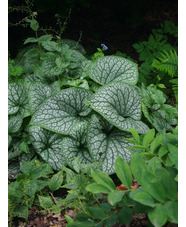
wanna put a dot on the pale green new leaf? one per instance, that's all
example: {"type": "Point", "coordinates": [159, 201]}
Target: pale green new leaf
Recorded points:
{"type": "Point", "coordinates": [48, 145]}
{"type": "Point", "coordinates": [75, 145]}
{"type": "Point", "coordinates": [120, 104]}
{"type": "Point", "coordinates": [61, 111]}
{"type": "Point", "coordinates": [113, 68]}
{"type": "Point", "coordinates": [106, 142]}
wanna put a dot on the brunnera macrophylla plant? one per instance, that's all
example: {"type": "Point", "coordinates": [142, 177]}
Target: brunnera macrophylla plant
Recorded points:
{"type": "Point", "coordinates": [69, 106]}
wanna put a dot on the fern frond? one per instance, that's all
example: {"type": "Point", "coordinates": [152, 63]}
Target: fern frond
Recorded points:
{"type": "Point", "coordinates": [168, 62]}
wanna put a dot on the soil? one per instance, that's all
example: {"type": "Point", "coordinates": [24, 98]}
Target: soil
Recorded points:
{"type": "Point", "coordinates": [102, 22]}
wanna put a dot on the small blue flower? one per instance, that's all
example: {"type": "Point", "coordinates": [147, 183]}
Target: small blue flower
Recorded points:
{"type": "Point", "coordinates": [104, 47]}
{"type": "Point", "coordinates": [81, 77]}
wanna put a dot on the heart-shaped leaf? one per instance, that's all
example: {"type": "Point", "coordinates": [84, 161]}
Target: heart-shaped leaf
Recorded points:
{"type": "Point", "coordinates": [113, 68]}
{"type": "Point", "coordinates": [17, 99]}
{"type": "Point", "coordinates": [106, 142]}
{"type": "Point", "coordinates": [75, 145]}
{"type": "Point", "coordinates": [61, 111]}
{"type": "Point", "coordinates": [48, 145]}
{"type": "Point", "coordinates": [14, 124]}
{"type": "Point", "coordinates": [120, 104]}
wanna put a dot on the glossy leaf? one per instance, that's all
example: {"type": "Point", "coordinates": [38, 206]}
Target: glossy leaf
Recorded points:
{"type": "Point", "coordinates": [125, 215]}
{"type": "Point", "coordinates": [75, 145]}
{"type": "Point", "coordinates": [115, 197]}
{"type": "Point", "coordinates": [119, 104]}
{"type": "Point", "coordinates": [97, 188]}
{"type": "Point", "coordinates": [137, 165]}
{"type": "Point", "coordinates": [143, 198]}
{"type": "Point", "coordinates": [106, 142]}
{"type": "Point", "coordinates": [172, 211]}
{"type": "Point", "coordinates": [156, 143]}
{"type": "Point", "coordinates": [148, 137]}
{"type": "Point", "coordinates": [104, 179]}
{"type": "Point", "coordinates": [113, 68]}
{"type": "Point", "coordinates": [61, 111]}
{"type": "Point", "coordinates": [48, 145]}
{"type": "Point", "coordinates": [123, 172]}
{"type": "Point", "coordinates": [167, 181]}
{"type": "Point", "coordinates": [96, 212]}
{"type": "Point", "coordinates": [152, 186]}
{"type": "Point", "coordinates": [158, 215]}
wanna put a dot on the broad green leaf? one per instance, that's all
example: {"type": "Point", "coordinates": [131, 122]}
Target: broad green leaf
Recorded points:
{"type": "Point", "coordinates": [106, 142]}
{"type": "Point", "coordinates": [119, 104]}
{"type": "Point", "coordinates": [49, 45]}
{"type": "Point", "coordinates": [153, 163]}
{"type": "Point", "coordinates": [143, 198]}
{"type": "Point", "coordinates": [113, 68]}
{"type": "Point", "coordinates": [111, 220]}
{"type": "Point", "coordinates": [75, 145]}
{"type": "Point", "coordinates": [104, 179]}
{"type": "Point", "coordinates": [148, 137]}
{"type": "Point", "coordinates": [21, 211]}
{"type": "Point", "coordinates": [96, 212]}
{"type": "Point", "coordinates": [135, 134]}
{"type": "Point", "coordinates": [61, 111]}
{"type": "Point", "coordinates": [156, 143]}
{"type": "Point", "coordinates": [34, 24]}
{"type": "Point", "coordinates": [50, 69]}
{"type": "Point", "coordinates": [48, 145]}
{"type": "Point", "coordinates": [115, 197]}
{"type": "Point", "coordinates": [14, 124]}
{"type": "Point", "coordinates": [9, 140]}
{"type": "Point", "coordinates": [38, 93]}
{"type": "Point", "coordinates": [123, 172]}
{"type": "Point", "coordinates": [125, 215]}
{"type": "Point", "coordinates": [163, 150]}
{"type": "Point", "coordinates": [97, 188]}
{"type": "Point", "coordinates": [74, 45]}
{"type": "Point", "coordinates": [56, 181]}
{"type": "Point", "coordinates": [137, 165]}
{"type": "Point", "coordinates": [167, 181]}
{"type": "Point", "coordinates": [17, 99]}
{"type": "Point", "coordinates": [152, 186]}
{"type": "Point", "coordinates": [158, 215]}
{"type": "Point", "coordinates": [45, 201]}
{"type": "Point", "coordinates": [172, 211]}
{"type": "Point", "coordinates": [33, 53]}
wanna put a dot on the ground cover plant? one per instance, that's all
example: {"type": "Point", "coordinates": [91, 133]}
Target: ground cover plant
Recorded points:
{"type": "Point", "coordinates": [76, 119]}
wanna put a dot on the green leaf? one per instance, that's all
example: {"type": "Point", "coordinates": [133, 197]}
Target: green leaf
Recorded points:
{"type": "Point", "coordinates": [75, 145]}
{"type": "Point", "coordinates": [156, 143]}
{"type": "Point", "coordinates": [45, 201]}
{"type": "Point", "coordinates": [158, 215]}
{"type": "Point", "coordinates": [97, 188]}
{"type": "Point", "coordinates": [152, 186]}
{"type": "Point", "coordinates": [9, 140]}
{"type": "Point", "coordinates": [112, 68]}
{"type": "Point", "coordinates": [119, 104]}
{"type": "Point", "coordinates": [104, 179]}
{"type": "Point", "coordinates": [105, 143]}
{"type": "Point", "coordinates": [135, 134]}
{"type": "Point", "coordinates": [17, 98]}
{"type": "Point", "coordinates": [96, 212]}
{"type": "Point", "coordinates": [34, 25]}
{"type": "Point", "coordinates": [31, 40]}
{"type": "Point", "coordinates": [32, 53]}
{"type": "Point", "coordinates": [21, 211]}
{"type": "Point", "coordinates": [115, 197]}
{"type": "Point", "coordinates": [173, 154]}
{"type": "Point", "coordinates": [56, 181]}
{"type": "Point", "coordinates": [137, 165]}
{"type": "Point", "coordinates": [123, 172]}
{"type": "Point", "coordinates": [14, 124]}
{"type": "Point", "coordinates": [111, 220]}
{"type": "Point", "coordinates": [61, 111]}
{"type": "Point", "coordinates": [125, 215]}
{"type": "Point", "coordinates": [172, 211]}
{"type": "Point", "coordinates": [163, 150]}
{"type": "Point", "coordinates": [143, 198]}
{"type": "Point", "coordinates": [68, 219]}
{"type": "Point", "coordinates": [167, 181]}
{"type": "Point", "coordinates": [48, 145]}
{"type": "Point", "coordinates": [148, 137]}
{"type": "Point", "coordinates": [38, 94]}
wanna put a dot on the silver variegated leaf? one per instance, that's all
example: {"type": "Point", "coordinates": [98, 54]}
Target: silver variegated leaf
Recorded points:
{"type": "Point", "coordinates": [120, 104]}
{"type": "Point", "coordinates": [48, 145]}
{"type": "Point", "coordinates": [61, 111]}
